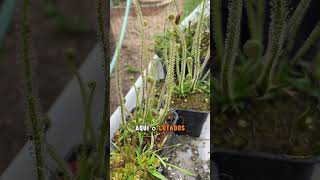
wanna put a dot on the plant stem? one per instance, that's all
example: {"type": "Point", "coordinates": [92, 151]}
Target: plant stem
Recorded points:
{"type": "Point", "coordinates": [252, 21]}
{"type": "Point", "coordinates": [276, 40]}
{"type": "Point", "coordinates": [218, 32]}
{"type": "Point", "coordinates": [105, 126]}
{"type": "Point", "coordinates": [180, 73]}
{"type": "Point", "coordinates": [141, 31]}
{"type": "Point", "coordinates": [295, 22]}
{"type": "Point", "coordinates": [196, 47]}
{"type": "Point", "coordinates": [61, 163]}
{"type": "Point", "coordinates": [312, 39]}
{"type": "Point", "coordinates": [35, 123]}
{"type": "Point", "coordinates": [260, 13]}
{"type": "Point", "coordinates": [232, 46]}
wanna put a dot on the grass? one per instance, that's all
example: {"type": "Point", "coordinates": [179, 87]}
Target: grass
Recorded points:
{"type": "Point", "coordinates": [189, 6]}
{"type": "Point", "coordinates": [131, 69]}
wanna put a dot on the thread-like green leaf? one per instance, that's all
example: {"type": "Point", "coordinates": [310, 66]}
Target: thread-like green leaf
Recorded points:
{"type": "Point", "coordinates": [36, 126]}
{"type": "Point", "coordinates": [217, 28]}
{"type": "Point", "coordinates": [60, 162]}
{"type": "Point", "coordinates": [295, 22]}
{"type": "Point", "coordinates": [277, 32]}
{"type": "Point", "coordinates": [101, 164]}
{"type": "Point", "coordinates": [260, 14]}
{"type": "Point", "coordinates": [252, 21]}
{"type": "Point", "coordinates": [232, 47]}
{"type": "Point", "coordinates": [312, 39]}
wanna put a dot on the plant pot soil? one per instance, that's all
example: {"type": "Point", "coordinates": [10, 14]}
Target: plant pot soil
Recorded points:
{"type": "Point", "coordinates": [192, 111]}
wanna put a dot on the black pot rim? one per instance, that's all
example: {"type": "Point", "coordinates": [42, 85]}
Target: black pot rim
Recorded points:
{"type": "Point", "coordinates": [192, 110]}
{"type": "Point", "coordinates": [288, 158]}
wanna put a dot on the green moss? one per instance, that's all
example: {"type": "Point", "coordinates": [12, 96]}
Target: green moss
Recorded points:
{"type": "Point", "coordinates": [196, 101]}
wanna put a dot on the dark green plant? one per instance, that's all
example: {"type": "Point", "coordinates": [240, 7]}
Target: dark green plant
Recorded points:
{"type": "Point", "coordinates": [231, 49]}
{"type": "Point", "coordinates": [131, 69]}
{"type": "Point", "coordinates": [103, 34]}
{"type": "Point", "coordinates": [32, 114]}
{"type": "Point", "coordinates": [255, 72]}
{"type": "Point", "coordinates": [188, 52]}
{"type": "Point", "coordinates": [218, 31]}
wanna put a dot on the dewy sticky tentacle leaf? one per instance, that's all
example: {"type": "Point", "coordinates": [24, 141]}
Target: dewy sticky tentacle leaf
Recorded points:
{"type": "Point", "coordinates": [31, 109]}
{"type": "Point", "coordinates": [232, 46]}
{"type": "Point", "coordinates": [276, 40]}
{"type": "Point", "coordinates": [295, 22]}
{"type": "Point", "coordinates": [312, 39]}
{"type": "Point", "coordinates": [218, 31]}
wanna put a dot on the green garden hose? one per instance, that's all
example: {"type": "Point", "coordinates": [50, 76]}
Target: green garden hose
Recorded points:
{"type": "Point", "coordinates": [122, 34]}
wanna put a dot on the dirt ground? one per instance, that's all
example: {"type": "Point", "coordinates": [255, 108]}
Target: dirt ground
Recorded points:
{"type": "Point", "coordinates": [50, 41]}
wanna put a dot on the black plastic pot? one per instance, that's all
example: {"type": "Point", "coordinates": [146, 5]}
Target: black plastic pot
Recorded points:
{"type": "Point", "coordinates": [234, 165]}
{"type": "Point", "coordinates": [214, 174]}
{"type": "Point", "coordinates": [193, 121]}
{"type": "Point", "coordinates": [171, 134]}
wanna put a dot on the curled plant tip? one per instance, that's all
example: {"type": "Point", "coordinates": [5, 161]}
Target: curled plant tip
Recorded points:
{"type": "Point", "coordinates": [145, 23]}
{"type": "Point", "coordinates": [253, 49]}
{"type": "Point", "coordinates": [189, 77]}
{"type": "Point", "coordinates": [171, 17]}
{"type": "Point", "coordinates": [178, 18]}
{"type": "Point", "coordinates": [150, 80]}
{"type": "Point", "coordinates": [131, 78]}
{"type": "Point", "coordinates": [189, 59]}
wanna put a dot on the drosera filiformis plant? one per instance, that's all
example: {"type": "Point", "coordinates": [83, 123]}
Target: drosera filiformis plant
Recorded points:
{"type": "Point", "coordinates": [36, 135]}
{"type": "Point", "coordinates": [192, 58]}
{"type": "Point", "coordinates": [145, 159]}
{"type": "Point", "coordinates": [256, 85]}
